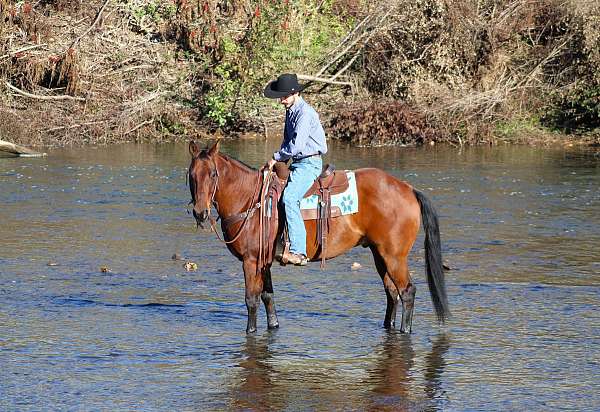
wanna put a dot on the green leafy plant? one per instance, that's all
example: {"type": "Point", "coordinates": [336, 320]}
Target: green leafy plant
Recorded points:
{"type": "Point", "coordinates": [219, 102]}
{"type": "Point", "coordinates": [168, 124]}
{"type": "Point", "coordinates": [576, 110]}
{"type": "Point", "coordinates": [145, 15]}
{"type": "Point", "coordinates": [276, 37]}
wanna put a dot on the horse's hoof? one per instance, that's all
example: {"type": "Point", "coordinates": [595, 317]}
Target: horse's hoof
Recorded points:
{"type": "Point", "coordinates": [250, 330]}
{"type": "Point", "coordinates": [274, 326]}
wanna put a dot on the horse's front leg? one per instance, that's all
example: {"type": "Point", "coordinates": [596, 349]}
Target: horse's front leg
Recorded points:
{"type": "Point", "coordinates": [268, 300]}
{"type": "Point", "coordinates": [254, 287]}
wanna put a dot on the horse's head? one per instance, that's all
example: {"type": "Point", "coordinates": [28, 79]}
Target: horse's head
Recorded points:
{"type": "Point", "coordinates": [203, 178]}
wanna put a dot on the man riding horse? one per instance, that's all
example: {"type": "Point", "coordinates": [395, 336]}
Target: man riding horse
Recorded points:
{"type": "Point", "coordinates": [387, 221]}
{"type": "Point", "coordinates": [304, 143]}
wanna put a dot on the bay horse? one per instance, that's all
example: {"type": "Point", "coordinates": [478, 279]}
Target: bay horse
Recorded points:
{"type": "Point", "coordinates": [387, 222]}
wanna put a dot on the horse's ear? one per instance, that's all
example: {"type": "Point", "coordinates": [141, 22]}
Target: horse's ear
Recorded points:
{"type": "Point", "coordinates": [215, 148]}
{"type": "Point", "coordinates": [194, 149]}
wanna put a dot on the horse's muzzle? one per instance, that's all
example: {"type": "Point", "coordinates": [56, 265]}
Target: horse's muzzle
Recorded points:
{"type": "Point", "coordinates": [200, 217]}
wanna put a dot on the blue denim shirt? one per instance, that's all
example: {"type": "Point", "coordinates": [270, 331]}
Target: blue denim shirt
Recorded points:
{"type": "Point", "coordinates": [303, 134]}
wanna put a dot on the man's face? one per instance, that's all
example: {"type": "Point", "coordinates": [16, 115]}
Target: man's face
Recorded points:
{"type": "Point", "coordinates": [288, 101]}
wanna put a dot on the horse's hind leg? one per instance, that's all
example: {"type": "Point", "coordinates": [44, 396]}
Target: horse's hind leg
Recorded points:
{"type": "Point", "coordinates": [408, 307]}
{"type": "Point", "coordinates": [267, 298]}
{"type": "Point", "coordinates": [390, 291]}
{"type": "Point", "coordinates": [397, 270]}
{"type": "Point", "coordinates": [392, 302]}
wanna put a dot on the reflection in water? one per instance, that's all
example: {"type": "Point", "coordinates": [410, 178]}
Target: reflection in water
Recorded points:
{"type": "Point", "coordinates": [255, 390]}
{"type": "Point", "coordinates": [393, 376]}
{"type": "Point", "coordinates": [391, 373]}
{"type": "Point", "coordinates": [394, 382]}
{"type": "Point", "coordinates": [434, 367]}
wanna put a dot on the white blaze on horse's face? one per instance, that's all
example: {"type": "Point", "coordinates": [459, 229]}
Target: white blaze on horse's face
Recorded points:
{"type": "Point", "coordinates": [203, 180]}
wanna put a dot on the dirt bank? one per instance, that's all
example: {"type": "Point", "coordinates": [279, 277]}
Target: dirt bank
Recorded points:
{"type": "Point", "coordinates": [75, 72]}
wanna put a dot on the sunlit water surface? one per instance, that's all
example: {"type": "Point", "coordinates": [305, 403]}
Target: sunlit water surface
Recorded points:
{"type": "Point", "coordinates": [520, 229]}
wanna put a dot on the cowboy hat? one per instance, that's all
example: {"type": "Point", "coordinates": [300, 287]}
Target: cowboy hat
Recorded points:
{"type": "Point", "coordinates": [285, 85]}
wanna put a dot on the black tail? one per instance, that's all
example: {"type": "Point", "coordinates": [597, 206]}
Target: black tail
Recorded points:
{"type": "Point", "coordinates": [433, 257]}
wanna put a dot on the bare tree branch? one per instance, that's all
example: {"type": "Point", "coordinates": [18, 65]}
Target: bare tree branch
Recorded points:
{"type": "Point", "coordinates": [91, 27]}
{"type": "Point", "coordinates": [39, 97]}
{"type": "Point", "coordinates": [322, 80]}
{"type": "Point", "coordinates": [18, 150]}
{"type": "Point", "coordinates": [33, 46]}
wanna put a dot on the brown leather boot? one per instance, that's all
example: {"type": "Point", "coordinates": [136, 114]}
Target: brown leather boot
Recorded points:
{"type": "Point", "coordinates": [294, 258]}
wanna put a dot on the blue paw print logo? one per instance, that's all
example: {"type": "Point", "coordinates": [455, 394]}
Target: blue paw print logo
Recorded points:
{"type": "Point", "coordinates": [309, 202]}
{"type": "Point", "coordinates": [346, 204]}
{"type": "Point", "coordinates": [312, 200]}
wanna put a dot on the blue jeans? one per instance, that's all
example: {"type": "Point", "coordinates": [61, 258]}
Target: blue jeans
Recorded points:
{"type": "Point", "coordinates": [302, 175]}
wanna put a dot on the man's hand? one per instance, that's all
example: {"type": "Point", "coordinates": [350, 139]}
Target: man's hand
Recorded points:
{"type": "Point", "coordinates": [271, 163]}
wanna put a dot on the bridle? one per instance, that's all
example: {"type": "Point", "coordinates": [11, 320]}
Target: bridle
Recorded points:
{"type": "Point", "coordinates": [233, 218]}
{"type": "Point", "coordinates": [263, 191]}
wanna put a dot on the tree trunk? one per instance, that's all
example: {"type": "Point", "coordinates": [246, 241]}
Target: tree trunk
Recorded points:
{"type": "Point", "coordinates": [18, 150]}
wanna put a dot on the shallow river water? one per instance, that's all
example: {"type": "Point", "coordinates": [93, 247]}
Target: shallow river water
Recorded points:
{"type": "Point", "coordinates": [520, 229]}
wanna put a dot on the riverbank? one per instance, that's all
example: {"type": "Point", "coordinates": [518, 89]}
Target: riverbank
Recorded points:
{"type": "Point", "coordinates": [100, 72]}
{"type": "Point", "coordinates": [37, 145]}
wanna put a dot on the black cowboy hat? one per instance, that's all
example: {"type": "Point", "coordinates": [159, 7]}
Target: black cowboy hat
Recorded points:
{"type": "Point", "coordinates": [285, 85]}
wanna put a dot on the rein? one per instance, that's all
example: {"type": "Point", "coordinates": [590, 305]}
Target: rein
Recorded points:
{"type": "Point", "coordinates": [242, 215]}
{"type": "Point", "coordinates": [262, 193]}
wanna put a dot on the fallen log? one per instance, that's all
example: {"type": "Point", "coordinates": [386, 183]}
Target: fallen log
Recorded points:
{"type": "Point", "coordinates": [18, 150]}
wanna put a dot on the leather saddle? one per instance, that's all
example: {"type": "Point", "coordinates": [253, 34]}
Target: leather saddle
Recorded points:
{"type": "Point", "coordinates": [329, 182]}
{"type": "Point", "coordinates": [330, 179]}
{"type": "Point", "coordinates": [334, 181]}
